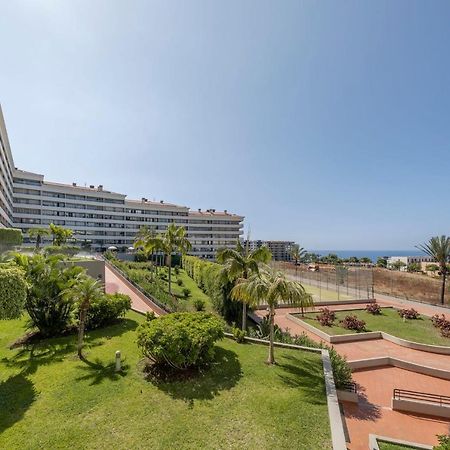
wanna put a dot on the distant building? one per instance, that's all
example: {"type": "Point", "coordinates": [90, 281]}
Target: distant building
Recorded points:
{"type": "Point", "coordinates": [407, 260]}
{"type": "Point", "coordinates": [281, 250]}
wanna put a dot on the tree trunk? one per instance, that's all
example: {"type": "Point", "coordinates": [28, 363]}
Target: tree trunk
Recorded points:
{"type": "Point", "coordinates": [271, 359]}
{"type": "Point", "coordinates": [81, 326]}
{"type": "Point", "coordinates": [444, 275]}
{"type": "Point", "coordinates": [244, 316]}
{"type": "Point", "coordinates": [169, 264]}
{"type": "Point", "coordinates": [303, 310]}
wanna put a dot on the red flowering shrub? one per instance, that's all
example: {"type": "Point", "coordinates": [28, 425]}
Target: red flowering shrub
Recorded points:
{"type": "Point", "coordinates": [439, 321]}
{"type": "Point", "coordinates": [351, 322]}
{"type": "Point", "coordinates": [373, 308]}
{"type": "Point", "coordinates": [409, 313]}
{"type": "Point", "coordinates": [326, 317]}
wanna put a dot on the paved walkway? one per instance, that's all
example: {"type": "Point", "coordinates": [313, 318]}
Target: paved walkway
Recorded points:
{"type": "Point", "coordinates": [374, 414]}
{"type": "Point", "coordinates": [115, 283]}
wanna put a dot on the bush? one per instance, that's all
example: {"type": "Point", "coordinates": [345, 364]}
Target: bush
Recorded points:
{"type": "Point", "coordinates": [107, 309]}
{"type": "Point", "coordinates": [351, 322]}
{"type": "Point", "coordinates": [199, 304]}
{"type": "Point", "coordinates": [180, 340]}
{"type": "Point", "coordinates": [140, 256]}
{"type": "Point", "coordinates": [13, 292]}
{"type": "Point", "coordinates": [373, 308]}
{"type": "Point", "coordinates": [186, 292]}
{"type": "Point", "coordinates": [444, 442]}
{"type": "Point", "coordinates": [49, 310]}
{"type": "Point", "coordinates": [66, 250]}
{"type": "Point", "coordinates": [408, 313]}
{"type": "Point", "coordinates": [176, 270]}
{"type": "Point", "coordinates": [9, 238]}
{"type": "Point", "coordinates": [180, 282]}
{"type": "Point", "coordinates": [326, 317]}
{"type": "Point", "coordinates": [442, 323]}
{"type": "Point", "coordinates": [239, 334]}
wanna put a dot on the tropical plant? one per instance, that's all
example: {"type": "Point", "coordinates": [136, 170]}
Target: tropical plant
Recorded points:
{"type": "Point", "coordinates": [269, 287]}
{"type": "Point", "coordinates": [47, 278]}
{"type": "Point", "coordinates": [83, 292]}
{"type": "Point", "coordinates": [13, 292]}
{"type": "Point", "coordinates": [414, 267]}
{"type": "Point", "coordinates": [180, 340]}
{"type": "Point", "coordinates": [239, 264]}
{"type": "Point", "coordinates": [60, 235]}
{"type": "Point", "coordinates": [398, 265]}
{"type": "Point", "coordinates": [438, 248]}
{"type": "Point", "coordinates": [351, 322]}
{"type": "Point", "coordinates": [433, 268]}
{"type": "Point", "coordinates": [173, 241]}
{"type": "Point", "coordinates": [408, 313]}
{"type": "Point", "coordinates": [36, 234]}
{"type": "Point", "coordinates": [10, 238]}
{"type": "Point", "coordinates": [381, 262]}
{"type": "Point", "coordinates": [373, 308]}
{"type": "Point", "coordinates": [326, 317]}
{"type": "Point", "coordinates": [297, 254]}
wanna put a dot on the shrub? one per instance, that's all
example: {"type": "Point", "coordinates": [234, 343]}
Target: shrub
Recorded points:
{"type": "Point", "coordinates": [140, 256]}
{"type": "Point", "coordinates": [13, 292]}
{"type": "Point", "coordinates": [67, 250]}
{"type": "Point", "coordinates": [49, 310]}
{"type": "Point", "coordinates": [326, 317]}
{"type": "Point", "coordinates": [408, 313]}
{"type": "Point", "coordinates": [180, 340]}
{"type": "Point", "coordinates": [180, 282]}
{"type": "Point", "coordinates": [9, 238]}
{"type": "Point", "coordinates": [186, 292]}
{"type": "Point", "coordinates": [442, 323]}
{"type": "Point", "coordinates": [239, 334]}
{"type": "Point", "coordinates": [373, 308]}
{"type": "Point", "coordinates": [444, 442]}
{"type": "Point", "coordinates": [107, 309]}
{"type": "Point", "coordinates": [351, 322]}
{"type": "Point", "coordinates": [199, 304]}
{"type": "Point", "coordinates": [176, 269]}
{"type": "Point", "coordinates": [149, 316]}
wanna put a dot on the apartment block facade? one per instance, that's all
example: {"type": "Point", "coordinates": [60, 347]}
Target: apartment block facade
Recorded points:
{"type": "Point", "coordinates": [281, 250]}
{"type": "Point", "coordinates": [101, 218]}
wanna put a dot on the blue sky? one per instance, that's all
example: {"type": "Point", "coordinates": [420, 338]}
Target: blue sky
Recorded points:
{"type": "Point", "coordinates": [322, 122]}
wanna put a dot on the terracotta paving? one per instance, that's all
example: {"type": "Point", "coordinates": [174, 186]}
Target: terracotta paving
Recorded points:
{"type": "Point", "coordinates": [374, 414]}
{"type": "Point", "coordinates": [115, 284]}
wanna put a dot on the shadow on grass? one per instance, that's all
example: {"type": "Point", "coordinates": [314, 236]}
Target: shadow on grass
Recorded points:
{"type": "Point", "coordinates": [97, 372]}
{"type": "Point", "coordinates": [223, 374]}
{"type": "Point", "coordinates": [53, 350]}
{"type": "Point", "coordinates": [304, 374]}
{"type": "Point", "coordinates": [17, 394]}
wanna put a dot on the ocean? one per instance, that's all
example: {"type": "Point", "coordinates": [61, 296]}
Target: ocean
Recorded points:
{"type": "Point", "coordinates": [372, 254]}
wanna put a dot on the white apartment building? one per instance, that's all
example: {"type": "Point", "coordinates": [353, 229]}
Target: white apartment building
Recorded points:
{"type": "Point", "coordinates": [101, 218]}
{"type": "Point", "coordinates": [281, 250]}
{"type": "Point", "coordinates": [407, 260]}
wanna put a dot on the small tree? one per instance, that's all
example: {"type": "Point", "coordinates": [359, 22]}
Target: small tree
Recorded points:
{"type": "Point", "coordinates": [83, 292]}
{"type": "Point", "coordinates": [438, 248]}
{"type": "Point", "coordinates": [10, 238]}
{"type": "Point", "coordinates": [433, 268]}
{"type": "Point", "coordinates": [270, 287]}
{"type": "Point", "coordinates": [398, 265]}
{"type": "Point", "coordinates": [37, 235]}
{"type": "Point", "coordinates": [382, 262]}
{"type": "Point", "coordinates": [414, 267]}
{"type": "Point", "coordinates": [13, 292]}
{"type": "Point", "coordinates": [60, 234]}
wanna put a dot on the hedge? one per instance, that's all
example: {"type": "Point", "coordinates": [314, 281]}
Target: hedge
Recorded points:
{"type": "Point", "coordinates": [13, 292]}
{"type": "Point", "coordinates": [66, 250]}
{"type": "Point", "coordinates": [10, 237]}
{"type": "Point", "coordinates": [207, 276]}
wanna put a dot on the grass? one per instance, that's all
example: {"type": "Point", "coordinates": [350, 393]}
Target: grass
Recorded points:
{"type": "Point", "coordinates": [50, 399]}
{"type": "Point", "coordinates": [325, 294]}
{"type": "Point", "coordinates": [417, 330]}
{"type": "Point", "coordinates": [391, 446]}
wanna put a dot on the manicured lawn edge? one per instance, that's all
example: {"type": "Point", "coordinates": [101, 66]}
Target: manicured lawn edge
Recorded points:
{"type": "Point", "coordinates": [336, 339]}
{"type": "Point", "coordinates": [334, 412]}
{"type": "Point", "coordinates": [374, 438]}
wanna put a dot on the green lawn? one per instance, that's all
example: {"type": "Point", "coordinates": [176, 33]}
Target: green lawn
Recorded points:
{"type": "Point", "coordinates": [418, 330]}
{"type": "Point", "coordinates": [391, 446]}
{"type": "Point", "coordinates": [320, 294]}
{"type": "Point", "coordinates": [49, 399]}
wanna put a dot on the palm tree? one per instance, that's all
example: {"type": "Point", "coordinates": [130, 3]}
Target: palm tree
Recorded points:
{"type": "Point", "coordinates": [60, 234]}
{"type": "Point", "coordinates": [145, 241]}
{"type": "Point", "coordinates": [174, 240]}
{"type": "Point", "coordinates": [38, 233]}
{"type": "Point", "coordinates": [270, 287]}
{"type": "Point", "coordinates": [438, 248]}
{"type": "Point", "coordinates": [239, 263]}
{"type": "Point", "coordinates": [297, 253]}
{"type": "Point", "coordinates": [84, 291]}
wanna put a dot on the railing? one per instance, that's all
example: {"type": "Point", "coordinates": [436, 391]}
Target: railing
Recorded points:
{"type": "Point", "coordinates": [403, 394]}
{"type": "Point", "coordinates": [349, 386]}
